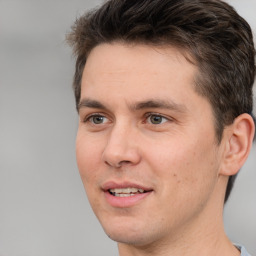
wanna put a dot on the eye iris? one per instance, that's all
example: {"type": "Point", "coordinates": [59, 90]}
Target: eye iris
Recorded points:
{"type": "Point", "coordinates": [97, 119]}
{"type": "Point", "coordinates": [156, 119]}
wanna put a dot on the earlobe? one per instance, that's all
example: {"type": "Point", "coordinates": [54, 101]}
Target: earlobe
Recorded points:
{"type": "Point", "coordinates": [238, 143]}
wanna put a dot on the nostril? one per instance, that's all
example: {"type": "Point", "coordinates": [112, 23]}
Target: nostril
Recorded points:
{"type": "Point", "coordinates": [124, 162]}
{"type": "Point", "coordinates": [118, 164]}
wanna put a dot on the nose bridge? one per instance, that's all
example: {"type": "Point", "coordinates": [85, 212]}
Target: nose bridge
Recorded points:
{"type": "Point", "coordinates": [121, 146]}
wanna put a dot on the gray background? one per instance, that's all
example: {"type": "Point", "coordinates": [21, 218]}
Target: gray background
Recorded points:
{"type": "Point", "coordinates": [43, 207]}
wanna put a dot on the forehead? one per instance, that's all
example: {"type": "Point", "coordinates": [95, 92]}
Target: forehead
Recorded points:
{"type": "Point", "coordinates": [142, 55]}
{"type": "Point", "coordinates": [137, 67]}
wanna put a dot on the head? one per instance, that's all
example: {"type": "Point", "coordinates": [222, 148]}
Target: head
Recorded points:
{"type": "Point", "coordinates": [129, 55]}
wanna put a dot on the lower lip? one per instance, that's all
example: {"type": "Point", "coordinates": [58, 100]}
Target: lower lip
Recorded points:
{"type": "Point", "coordinates": [125, 202]}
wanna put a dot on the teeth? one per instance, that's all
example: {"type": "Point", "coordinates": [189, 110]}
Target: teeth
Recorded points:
{"type": "Point", "coordinates": [124, 195]}
{"type": "Point", "coordinates": [123, 192]}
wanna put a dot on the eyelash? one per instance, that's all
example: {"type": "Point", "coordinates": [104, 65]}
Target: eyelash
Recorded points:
{"type": "Point", "coordinates": [147, 116]}
{"type": "Point", "coordinates": [150, 115]}
{"type": "Point", "coordinates": [87, 118]}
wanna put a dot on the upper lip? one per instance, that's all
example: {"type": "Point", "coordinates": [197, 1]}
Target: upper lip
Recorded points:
{"type": "Point", "coordinates": [112, 184]}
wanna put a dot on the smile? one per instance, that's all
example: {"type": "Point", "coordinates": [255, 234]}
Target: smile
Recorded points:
{"type": "Point", "coordinates": [126, 192]}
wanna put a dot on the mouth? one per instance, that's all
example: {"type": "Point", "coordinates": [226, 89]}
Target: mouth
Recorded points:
{"type": "Point", "coordinates": [126, 192]}
{"type": "Point", "coordinates": [125, 195]}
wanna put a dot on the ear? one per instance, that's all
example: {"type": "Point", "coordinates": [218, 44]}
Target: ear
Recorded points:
{"type": "Point", "coordinates": [237, 144]}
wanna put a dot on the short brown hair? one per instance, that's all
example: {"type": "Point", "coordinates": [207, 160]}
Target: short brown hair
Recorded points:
{"type": "Point", "coordinates": [219, 42]}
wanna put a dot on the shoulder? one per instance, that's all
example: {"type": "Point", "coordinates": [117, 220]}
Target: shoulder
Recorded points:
{"type": "Point", "coordinates": [242, 250]}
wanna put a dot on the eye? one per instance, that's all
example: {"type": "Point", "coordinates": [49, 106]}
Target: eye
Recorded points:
{"type": "Point", "coordinates": [97, 119]}
{"type": "Point", "coordinates": [156, 119]}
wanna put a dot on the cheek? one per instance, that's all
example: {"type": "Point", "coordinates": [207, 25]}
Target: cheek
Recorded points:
{"type": "Point", "coordinates": [186, 167]}
{"type": "Point", "coordinates": [88, 157]}
{"type": "Point", "coordinates": [88, 162]}
{"type": "Point", "coordinates": [199, 174]}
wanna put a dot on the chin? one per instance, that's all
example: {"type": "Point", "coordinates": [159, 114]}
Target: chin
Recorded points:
{"type": "Point", "coordinates": [129, 232]}
{"type": "Point", "coordinates": [123, 230]}
{"type": "Point", "coordinates": [132, 239]}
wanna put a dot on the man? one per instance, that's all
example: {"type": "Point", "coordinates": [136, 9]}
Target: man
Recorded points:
{"type": "Point", "coordinates": [164, 94]}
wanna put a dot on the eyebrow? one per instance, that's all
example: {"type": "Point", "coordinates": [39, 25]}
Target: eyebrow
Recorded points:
{"type": "Point", "coordinates": [156, 103]}
{"type": "Point", "coordinates": [88, 103]}
{"type": "Point", "coordinates": [151, 103]}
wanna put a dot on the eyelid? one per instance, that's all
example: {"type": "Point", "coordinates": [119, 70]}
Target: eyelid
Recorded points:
{"type": "Point", "coordinates": [157, 114]}
{"type": "Point", "coordinates": [147, 115]}
{"type": "Point", "coordinates": [87, 117]}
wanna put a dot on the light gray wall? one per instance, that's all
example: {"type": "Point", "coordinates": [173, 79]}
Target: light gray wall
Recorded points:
{"type": "Point", "coordinates": [43, 207]}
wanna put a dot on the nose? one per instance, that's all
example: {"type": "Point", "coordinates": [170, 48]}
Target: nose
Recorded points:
{"type": "Point", "coordinates": [121, 147]}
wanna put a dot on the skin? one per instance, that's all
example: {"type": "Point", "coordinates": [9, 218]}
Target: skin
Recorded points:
{"type": "Point", "coordinates": [141, 121]}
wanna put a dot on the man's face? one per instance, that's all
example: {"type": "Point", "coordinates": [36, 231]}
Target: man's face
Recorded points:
{"type": "Point", "coordinates": [146, 145]}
